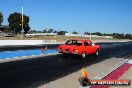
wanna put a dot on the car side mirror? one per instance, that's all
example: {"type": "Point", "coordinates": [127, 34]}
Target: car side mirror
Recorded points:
{"type": "Point", "coordinates": [93, 44]}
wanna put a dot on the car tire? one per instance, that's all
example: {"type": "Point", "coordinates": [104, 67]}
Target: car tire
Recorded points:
{"type": "Point", "coordinates": [83, 55]}
{"type": "Point", "coordinates": [97, 52]}
{"type": "Point", "coordinates": [65, 55]}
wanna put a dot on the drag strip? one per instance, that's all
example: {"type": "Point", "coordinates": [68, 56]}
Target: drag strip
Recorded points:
{"type": "Point", "coordinates": [31, 73]}
{"type": "Point", "coordinates": [25, 53]}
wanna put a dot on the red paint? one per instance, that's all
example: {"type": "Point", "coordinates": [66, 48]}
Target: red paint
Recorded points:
{"type": "Point", "coordinates": [115, 74]}
{"type": "Point", "coordinates": [78, 46]}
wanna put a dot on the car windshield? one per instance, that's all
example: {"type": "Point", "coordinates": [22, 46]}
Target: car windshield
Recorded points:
{"type": "Point", "coordinates": [74, 42]}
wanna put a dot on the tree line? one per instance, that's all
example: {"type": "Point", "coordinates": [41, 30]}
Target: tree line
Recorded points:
{"type": "Point", "coordinates": [49, 31]}
{"type": "Point", "coordinates": [15, 23]}
{"type": "Point", "coordinates": [52, 31]}
{"type": "Point", "coordinates": [114, 35]}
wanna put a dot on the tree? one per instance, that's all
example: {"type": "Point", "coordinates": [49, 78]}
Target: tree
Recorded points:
{"type": "Point", "coordinates": [98, 33]}
{"type": "Point", "coordinates": [74, 32]}
{"type": "Point", "coordinates": [26, 29]}
{"type": "Point", "coordinates": [128, 36]}
{"type": "Point", "coordinates": [55, 31]}
{"type": "Point", "coordinates": [45, 31]}
{"type": "Point", "coordinates": [6, 27]}
{"type": "Point", "coordinates": [15, 22]}
{"type": "Point", "coordinates": [1, 19]}
{"type": "Point", "coordinates": [32, 31]}
{"type": "Point", "coordinates": [50, 30]}
{"type": "Point", "coordinates": [86, 33]}
{"type": "Point", "coordinates": [61, 32]}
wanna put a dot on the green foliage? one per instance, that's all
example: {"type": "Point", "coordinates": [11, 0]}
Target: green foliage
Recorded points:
{"type": "Point", "coordinates": [45, 31]}
{"type": "Point", "coordinates": [62, 32]}
{"type": "Point", "coordinates": [15, 22]}
{"type": "Point", "coordinates": [26, 29]}
{"type": "Point", "coordinates": [55, 31]}
{"type": "Point", "coordinates": [86, 33]}
{"type": "Point", "coordinates": [74, 32]}
{"type": "Point", "coordinates": [97, 33]}
{"type": "Point", "coordinates": [48, 30]}
{"type": "Point", "coordinates": [6, 27]}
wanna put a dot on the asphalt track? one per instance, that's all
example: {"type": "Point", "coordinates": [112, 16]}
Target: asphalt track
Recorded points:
{"type": "Point", "coordinates": [26, 47]}
{"type": "Point", "coordinates": [31, 73]}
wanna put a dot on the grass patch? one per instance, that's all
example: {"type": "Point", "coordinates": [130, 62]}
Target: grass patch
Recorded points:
{"type": "Point", "coordinates": [58, 38]}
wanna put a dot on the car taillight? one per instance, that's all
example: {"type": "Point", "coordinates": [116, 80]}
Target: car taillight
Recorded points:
{"type": "Point", "coordinates": [59, 49]}
{"type": "Point", "coordinates": [75, 50]}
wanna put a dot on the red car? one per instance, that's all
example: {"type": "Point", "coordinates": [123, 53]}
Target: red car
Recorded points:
{"type": "Point", "coordinates": [80, 47]}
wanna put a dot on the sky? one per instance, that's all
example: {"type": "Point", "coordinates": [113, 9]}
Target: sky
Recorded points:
{"type": "Point", "coordinates": [106, 16]}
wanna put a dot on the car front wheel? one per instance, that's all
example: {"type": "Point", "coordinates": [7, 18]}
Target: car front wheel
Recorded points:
{"type": "Point", "coordinates": [83, 55]}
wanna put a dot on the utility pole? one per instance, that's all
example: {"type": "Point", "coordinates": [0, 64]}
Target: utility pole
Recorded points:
{"type": "Point", "coordinates": [22, 20]}
{"type": "Point", "coordinates": [131, 36]}
{"type": "Point", "coordinates": [124, 34]}
{"type": "Point", "coordinates": [90, 36]}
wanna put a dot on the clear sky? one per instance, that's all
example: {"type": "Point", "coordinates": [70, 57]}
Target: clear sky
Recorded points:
{"type": "Point", "coordinates": [106, 16]}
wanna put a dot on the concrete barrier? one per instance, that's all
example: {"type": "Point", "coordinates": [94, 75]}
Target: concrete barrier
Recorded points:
{"type": "Point", "coordinates": [26, 42]}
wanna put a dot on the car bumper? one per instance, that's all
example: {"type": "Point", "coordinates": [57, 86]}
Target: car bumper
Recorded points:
{"type": "Point", "coordinates": [68, 52]}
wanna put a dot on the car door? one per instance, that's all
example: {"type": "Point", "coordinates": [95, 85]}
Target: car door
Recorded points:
{"type": "Point", "coordinates": [93, 48]}
{"type": "Point", "coordinates": [88, 47]}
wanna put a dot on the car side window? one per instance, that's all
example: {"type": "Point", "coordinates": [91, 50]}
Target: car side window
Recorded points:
{"type": "Point", "coordinates": [90, 44]}
{"type": "Point", "coordinates": [86, 43]}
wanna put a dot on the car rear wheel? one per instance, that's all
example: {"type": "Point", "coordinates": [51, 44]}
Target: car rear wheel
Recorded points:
{"type": "Point", "coordinates": [83, 55]}
{"type": "Point", "coordinates": [65, 55]}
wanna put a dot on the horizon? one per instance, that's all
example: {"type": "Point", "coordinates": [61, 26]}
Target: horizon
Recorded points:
{"type": "Point", "coordinates": [111, 16]}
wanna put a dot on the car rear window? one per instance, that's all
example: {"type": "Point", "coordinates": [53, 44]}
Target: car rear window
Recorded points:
{"type": "Point", "coordinates": [74, 42]}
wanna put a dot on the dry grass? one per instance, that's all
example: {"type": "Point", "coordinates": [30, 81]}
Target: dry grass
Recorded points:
{"type": "Point", "coordinates": [58, 38]}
